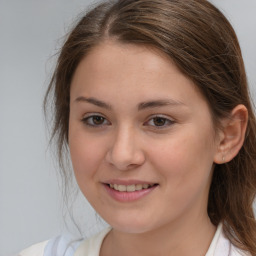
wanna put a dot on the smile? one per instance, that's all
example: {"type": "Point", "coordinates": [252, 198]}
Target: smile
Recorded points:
{"type": "Point", "coordinates": [130, 188]}
{"type": "Point", "coordinates": [129, 192]}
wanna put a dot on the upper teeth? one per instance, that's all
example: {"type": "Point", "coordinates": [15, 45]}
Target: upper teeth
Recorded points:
{"type": "Point", "coordinates": [130, 188]}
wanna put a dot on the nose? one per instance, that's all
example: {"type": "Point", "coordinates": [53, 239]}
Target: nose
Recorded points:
{"type": "Point", "coordinates": [126, 150]}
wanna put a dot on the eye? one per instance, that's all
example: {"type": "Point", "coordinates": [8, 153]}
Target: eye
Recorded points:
{"type": "Point", "coordinates": [159, 122]}
{"type": "Point", "coordinates": [95, 120]}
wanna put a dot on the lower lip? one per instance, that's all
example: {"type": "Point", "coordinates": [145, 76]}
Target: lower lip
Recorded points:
{"type": "Point", "coordinates": [128, 196]}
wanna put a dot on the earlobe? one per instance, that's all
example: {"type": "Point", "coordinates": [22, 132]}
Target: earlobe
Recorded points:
{"type": "Point", "coordinates": [232, 135]}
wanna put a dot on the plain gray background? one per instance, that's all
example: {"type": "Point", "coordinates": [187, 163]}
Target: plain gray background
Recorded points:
{"type": "Point", "coordinates": [30, 33]}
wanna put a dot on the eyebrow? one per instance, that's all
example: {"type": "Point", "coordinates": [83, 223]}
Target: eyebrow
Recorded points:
{"type": "Point", "coordinates": [94, 101]}
{"type": "Point", "coordinates": [159, 103]}
{"type": "Point", "coordinates": [141, 106]}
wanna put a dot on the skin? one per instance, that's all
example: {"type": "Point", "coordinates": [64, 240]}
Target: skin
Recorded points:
{"type": "Point", "coordinates": [125, 143]}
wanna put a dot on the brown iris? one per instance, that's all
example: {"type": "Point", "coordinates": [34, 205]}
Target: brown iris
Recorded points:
{"type": "Point", "coordinates": [98, 120]}
{"type": "Point", "coordinates": [159, 121]}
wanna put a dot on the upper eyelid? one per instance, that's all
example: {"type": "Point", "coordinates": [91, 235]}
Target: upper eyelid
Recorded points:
{"type": "Point", "coordinates": [148, 118]}
{"type": "Point", "coordinates": [92, 114]}
{"type": "Point", "coordinates": [88, 115]}
{"type": "Point", "coordinates": [161, 116]}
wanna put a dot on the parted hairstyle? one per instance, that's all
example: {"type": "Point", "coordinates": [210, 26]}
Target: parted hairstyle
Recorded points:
{"type": "Point", "coordinates": [197, 37]}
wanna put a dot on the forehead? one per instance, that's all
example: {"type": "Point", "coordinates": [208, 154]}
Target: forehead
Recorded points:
{"type": "Point", "coordinates": [112, 69]}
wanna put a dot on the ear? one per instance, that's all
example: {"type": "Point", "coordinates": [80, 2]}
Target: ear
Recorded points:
{"type": "Point", "coordinates": [231, 136]}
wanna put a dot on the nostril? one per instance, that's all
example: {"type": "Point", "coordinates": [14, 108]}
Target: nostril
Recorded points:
{"type": "Point", "coordinates": [125, 151]}
{"type": "Point", "coordinates": [124, 159]}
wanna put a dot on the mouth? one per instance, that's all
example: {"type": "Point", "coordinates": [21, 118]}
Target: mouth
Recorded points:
{"type": "Point", "coordinates": [130, 188]}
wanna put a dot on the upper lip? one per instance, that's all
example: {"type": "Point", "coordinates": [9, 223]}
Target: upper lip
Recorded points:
{"type": "Point", "coordinates": [128, 182]}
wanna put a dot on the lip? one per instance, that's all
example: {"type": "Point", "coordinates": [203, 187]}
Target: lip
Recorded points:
{"type": "Point", "coordinates": [127, 182]}
{"type": "Point", "coordinates": [128, 196]}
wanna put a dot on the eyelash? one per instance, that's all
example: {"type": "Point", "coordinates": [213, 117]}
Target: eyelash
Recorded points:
{"type": "Point", "coordinates": [167, 121]}
{"type": "Point", "coordinates": [90, 122]}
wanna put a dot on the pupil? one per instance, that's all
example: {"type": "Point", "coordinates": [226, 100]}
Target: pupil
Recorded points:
{"type": "Point", "coordinates": [98, 120]}
{"type": "Point", "coordinates": [158, 121]}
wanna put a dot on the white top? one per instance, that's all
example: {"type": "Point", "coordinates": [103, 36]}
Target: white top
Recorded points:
{"type": "Point", "coordinates": [65, 246]}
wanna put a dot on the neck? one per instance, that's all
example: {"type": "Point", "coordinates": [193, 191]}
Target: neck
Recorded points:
{"type": "Point", "coordinates": [176, 239]}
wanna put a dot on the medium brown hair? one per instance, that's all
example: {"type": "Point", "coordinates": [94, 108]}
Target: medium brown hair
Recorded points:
{"type": "Point", "coordinates": [201, 42]}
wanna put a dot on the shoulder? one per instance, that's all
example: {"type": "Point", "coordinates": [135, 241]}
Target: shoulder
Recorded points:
{"type": "Point", "coordinates": [63, 245]}
{"type": "Point", "coordinates": [34, 250]}
{"type": "Point", "coordinates": [66, 245]}
{"type": "Point", "coordinates": [237, 252]}
{"type": "Point", "coordinates": [221, 245]}
{"type": "Point", "coordinates": [224, 245]}
{"type": "Point", "coordinates": [92, 246]}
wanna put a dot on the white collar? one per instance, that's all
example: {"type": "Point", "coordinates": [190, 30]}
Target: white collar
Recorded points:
{"type": "Point", "coordinates": [220, 245]}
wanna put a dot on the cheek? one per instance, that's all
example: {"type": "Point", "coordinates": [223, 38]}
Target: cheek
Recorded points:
{"type": "Point", "coordinates": [86, 155]}
{"type": "Point", "coordinates": [185, 161]}
{"type": "Point", "coordinates": [185, 170]}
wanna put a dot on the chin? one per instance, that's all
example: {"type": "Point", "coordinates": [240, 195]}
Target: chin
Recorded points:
{"type": "Point", "coordinates": [131, 229]}
{"type": "Point", "coordinates": [128, 224]}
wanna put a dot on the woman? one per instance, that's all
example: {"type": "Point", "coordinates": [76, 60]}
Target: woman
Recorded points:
{"type": "Point", "coordinates": [151, 100]}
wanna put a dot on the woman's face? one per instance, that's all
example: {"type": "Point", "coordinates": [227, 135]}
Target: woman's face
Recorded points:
{"type": "Point", "coordinates": [141, 139]}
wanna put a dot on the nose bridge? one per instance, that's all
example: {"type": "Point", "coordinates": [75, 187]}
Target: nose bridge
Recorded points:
{"type": "Point", "coordinates": [126, 150]}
